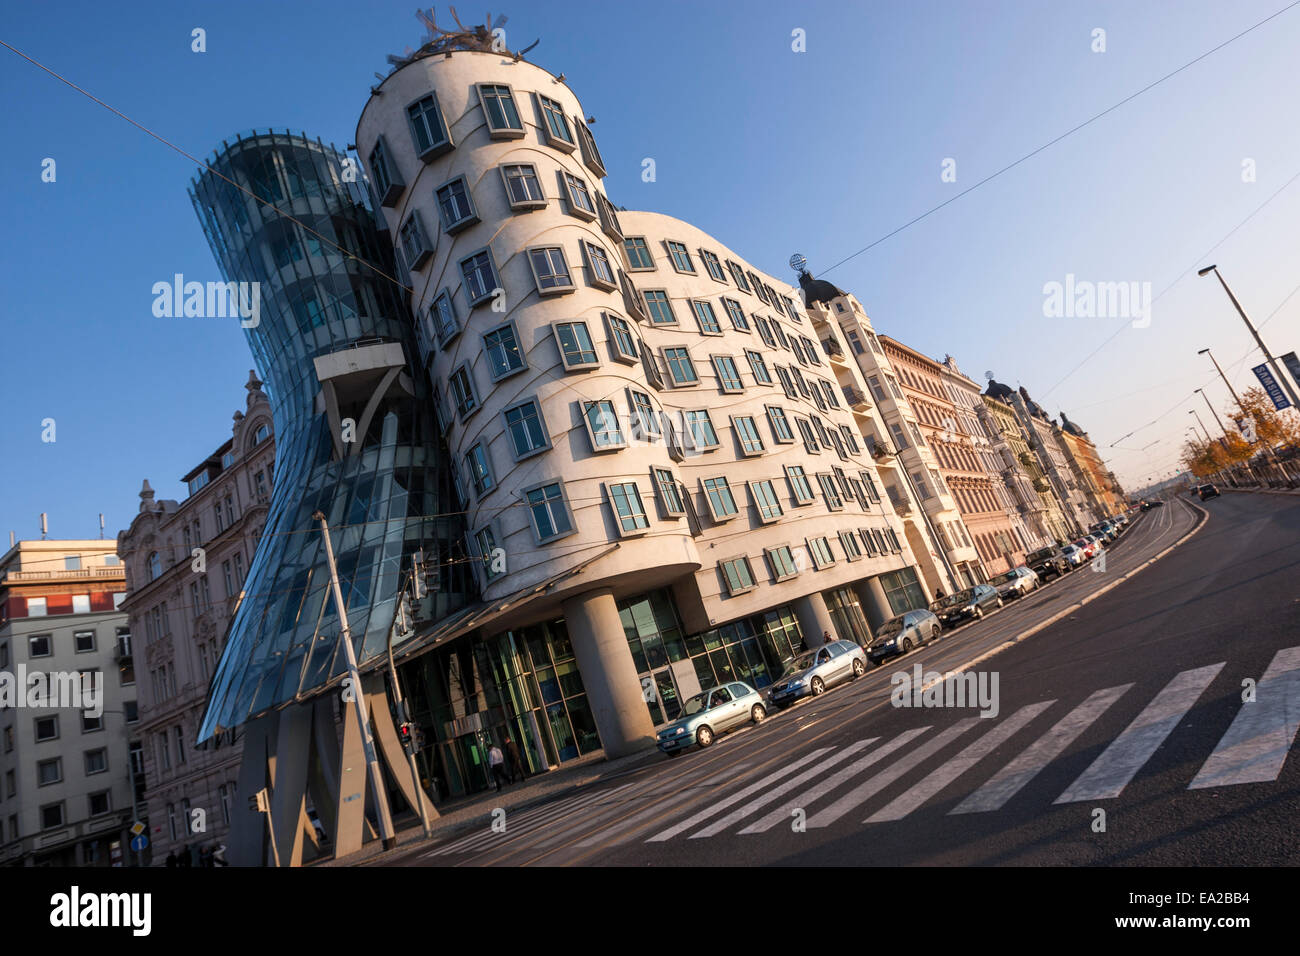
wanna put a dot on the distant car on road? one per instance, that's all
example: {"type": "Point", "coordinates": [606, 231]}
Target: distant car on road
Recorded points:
{"type": "Point", "coordinates": [812, 673]}
{"type": "Point", "coordinates": [1148, 505]}
{"type": "Point", "coordinates": [1048, 563]}
{"type": "Point", "coordinates": [900, 634]}
{"type": "Point", "coordinates": [1208, 491]}
{"type": "Point", "coordinates": [1075, 555]}
{"type": "Point", "coordinates": [1088, 547]}
{"type": "Point", "coordinates": [965, 605]}
{"type": "Point", "coordinates": [1016, 583]}
{"type": "Point", "coordinates": [711, 713]}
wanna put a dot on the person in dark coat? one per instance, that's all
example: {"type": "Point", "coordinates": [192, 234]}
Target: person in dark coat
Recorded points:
{"type": "Point", "coordinates": [514, 761]}
{"type": "Point", "coordinates": [171, 859]}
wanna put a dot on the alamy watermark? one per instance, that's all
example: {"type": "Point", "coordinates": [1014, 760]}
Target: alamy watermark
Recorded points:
{"type": "Point", "coordinates": [213, 300]}
{"type": "Point", "coordinates": [1083, 299]}
{"type": "Point", "coordinates": [74, 690]}
{"type": "Point", "coordinates": [923, 688]}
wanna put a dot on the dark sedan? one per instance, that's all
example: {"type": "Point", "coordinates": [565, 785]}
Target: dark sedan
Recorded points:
{"type": "Point", "coordinates": [966, 605]}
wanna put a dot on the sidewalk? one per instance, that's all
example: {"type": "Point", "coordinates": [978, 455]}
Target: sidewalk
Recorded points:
{"type": "Point", "coordinates": [475, 811]}
{"type": "Point", "coordinates": [1261, 490]}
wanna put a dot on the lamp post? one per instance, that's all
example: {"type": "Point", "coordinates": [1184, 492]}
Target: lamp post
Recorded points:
{"type": "Point", "coordinates": [1281, 376]}
{"type": "Point", "coordinates": [1208, 439]}
{"type": "Point", "coordinates": [1224, 439]}
{"type": "Point", "coordinates": [1235, 397]}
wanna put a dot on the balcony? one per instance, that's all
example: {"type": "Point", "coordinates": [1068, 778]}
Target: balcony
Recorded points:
{"type": "Point", "coordinates": [855, 398]}
{"type": "Point", "coordinates": [832, 348]}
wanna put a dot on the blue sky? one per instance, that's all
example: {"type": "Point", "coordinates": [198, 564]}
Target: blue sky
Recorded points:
{"type": "Point", "coordinates": [772, 151]}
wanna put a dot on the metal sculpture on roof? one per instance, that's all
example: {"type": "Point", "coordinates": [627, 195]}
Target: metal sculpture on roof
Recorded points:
{"type": "Point", "coordinates": [487, 37]}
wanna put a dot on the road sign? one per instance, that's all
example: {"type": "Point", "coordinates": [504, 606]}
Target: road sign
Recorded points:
{"type": "Point", "coordinates": [1292, 364]}
{"type": "Point", "coordinates": [139, 843]}
{"type": "Point", "coordinates": [137, 828]}
{"type": "Point", "coordinates": [1271, 386]}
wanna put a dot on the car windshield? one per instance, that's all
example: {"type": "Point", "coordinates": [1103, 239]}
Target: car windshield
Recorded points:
{"type": "Point", "coordinates": [799, 664]}
{"type": "Point", "coordinates": [890, 627]}
{"type": "Point", "coordinates": [961, 597]}
{"type": "Point", "coordinates": [694, 705]}
{"type": "Point", "coordinates": [1039, 555]}
{"type": "Point", "coordinates": [1005, 578]}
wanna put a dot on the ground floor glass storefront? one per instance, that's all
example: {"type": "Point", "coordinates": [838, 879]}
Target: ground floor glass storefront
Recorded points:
{"type": "Point", "coordinates": [846, 611]}
{"type": "Point", "coordinates": [903, 590]}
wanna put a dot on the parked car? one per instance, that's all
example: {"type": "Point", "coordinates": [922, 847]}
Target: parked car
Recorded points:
{"type": "Point", "coordinates": [1107, 529]}
{"type": "Point", "coordinates": [711, 713]}
{"type": "Point", "coordinates": [1088, 547]}
{"type": "Point", "coordinates": [1048, 563]}
{"type": "Point", "coordinates": [1074, 554]}
{"type": "Point", "coordinates": [1098, 543]}
{"type": "Point", "coordinates": [1208, 492]}
{"type": "Point", "coordinates": [967, 604]}
{"type": "Point", "coordinates": [900, 634]}
{"type": "Point", "coordinates": [1016, 583]}
{"type": "Point", "coordinates": [812, 673]}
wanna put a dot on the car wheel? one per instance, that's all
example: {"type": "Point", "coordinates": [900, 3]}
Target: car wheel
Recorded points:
{"type": "Point", "coordinates": [907, 645]}
{"type": "Point", "coordinates": [704, 736]}
{"type": "Point", "coordinates": [858, 669]}
{"type": "Point", "coordinates": [979, 613]}
{"type": "Point", "coordinates": [817, 687]}
{"type": "Point", "coordinates": [1001, 602]}
{"type": "Point", "coordinates": [934, 634]}
{"type": "Point", "coordinates": [757, 713]}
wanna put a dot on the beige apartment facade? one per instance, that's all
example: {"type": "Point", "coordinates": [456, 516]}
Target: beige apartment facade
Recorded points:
{"type": "Point", "coordinates": [71, 777]}
{"type": "Point", "coordinates": [1035, 501]}
{"type": "Point", "coordinates": [185, 567]}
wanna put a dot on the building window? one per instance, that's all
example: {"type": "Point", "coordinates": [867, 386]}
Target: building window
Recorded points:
{"type": "Point", "coordinates": [738, 276]}
{"type": "Point", "coordinates": [486, 542]}
{"type": "Point", "coordinates": [800, 486]}
{"type": "Point", "coordinates": [849, 542]}
{"type": "Point", "coordinates": [681, 257]}
{"type": "Point", "coordinates": [809, 439]}
{"type": "Point", "coordinates": [700, 427]}
{"type": "Point", "coordinates": [480, 277]}
{"type": "Point", "coordinates": [590, 154]}
{"type": "Point", "coordinates": [764, 331]}
{"type": "Point", "coordinates": [580, 202]}
{"type": "Point", "coordinates": [670, 498]}
{"type": "Point", "coordinates": [499, 109]}
{"type": "Point", "coordinates": [728, 376]}
{"type": "Point", "coordinates": [629, 512]}
{"type": "Point", "coordinates": [820, 550]}
{"type": "Point", "coordinates": [638, 254]}
{"type": "Point", "coordinates": [900, 437]}
{"type": "Point", "coordinates": [91, 724]}
{"type": "Point", "coordinates": [388, 183]}
{"type": "Point", "coordinates": [526, 429]}
{"type": "Point", "coordinates": [523, 188]}
{"type": "Point", "coordinates": [713, 265]}
{"type": "Point", "coordinates": [705, 317]}
{"type": "Point", "coordinates": [758, 288]}
{"type": "Point", "coordinates": [576, 350]}
{"type": "Point", "coordinates": [455, 206]}
{"type": "Point", "coordinates": [49, 771]}
{"type": "Point", "coordinates": [550, 270]}
{"type": "Point", "coordinates": [722, 504]}
{"type": "Point", "coordinates": [609, 219]}
{"type": "Point", "coordinates": [40, 645]}
{"type": "Point", "coordinates": [461, 386]}
{"type": "Point", "coordinates": [98, 803]}
{"type": "Point", "coordinates": [83, 642]}
{"type": "Point", "coordinates": [736, 314]}
{"type": "Point", "coordinates": [96, 761]}
{"type": "Point", "coordinates": [180, 745]}
{"type": "Point", "coordinates": [480, 469]}
{"type": "Point", "coordinates": [504, 355]}
{"type": "Point", "coordinates": [659, 308]}
{"type": "Point", "coordinates": [831, 493]}
{"type": "Point", "coordinates": [155, 562]}
{"type": "Point", "coordinates": [46, 728]}
{"type": "Point", "coordinates": [680, 367]}
{"type": "Point", "coordinates": [599, 272]}
{"type": "Point", "coordinates": [766, 501]}
{"type": "Point", "coordinates": [782, 563]}
{"type": "Point", "coordinates": [555, 125]}
{"type": "Point", "coordinates": [415, 248]}
{"type": "Point", "coordinates": [602, 425]}
{"type": "Point", "coordinates": [645, 419]}
{"type": "Point", "coordinates": [747, 432]}
{"type": "Point", "coordinates": [621, 338]}
{"type": "Point", "coordinates": [738, 575]}
{"type": "Point", "coordinates": [428, 131]}
{"type": "Point", "coordinates": [51, 816]}
{"type": "Point", "coordinates": [550, 512]}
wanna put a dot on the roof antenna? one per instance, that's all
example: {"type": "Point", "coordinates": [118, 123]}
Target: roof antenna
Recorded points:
{"type": "Point", "coordinates": [101, 526]}
{"type": "Point", "coordinates": [45, 525]}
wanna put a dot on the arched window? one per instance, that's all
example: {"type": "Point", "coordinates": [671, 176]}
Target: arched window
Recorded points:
{"type": "Point", "coordinates": [262, 434]}
{"type": "Point", "coordinates": [155, 566]}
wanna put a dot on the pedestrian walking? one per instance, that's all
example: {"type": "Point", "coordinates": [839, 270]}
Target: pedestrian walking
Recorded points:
{"type": "Point", "coordinates": [497, 764]}
{"type": "Point", "coordinates": [516, 761]}
{"type": "Point", "coordinates": [171, 859]}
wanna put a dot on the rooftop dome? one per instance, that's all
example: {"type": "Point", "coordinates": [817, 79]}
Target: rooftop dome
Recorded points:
{"type": "Point", "coordinates": [817, 290]}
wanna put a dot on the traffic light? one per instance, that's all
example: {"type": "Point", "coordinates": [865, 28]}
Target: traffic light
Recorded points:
{"type": "Point", "coordinates": [406, 733]}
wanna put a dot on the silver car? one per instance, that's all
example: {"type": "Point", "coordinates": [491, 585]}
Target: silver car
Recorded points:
{"type": "Point", "coordinates": [1075, 555]}
{"type": "Point", "coordinates": [711, 713]}
{"type": "Point", "coordinates": [812, 673]}
{"type": "Point", "coordinates": [900, 634]}
{"type": "Point", "coordinates": [1016, 583]}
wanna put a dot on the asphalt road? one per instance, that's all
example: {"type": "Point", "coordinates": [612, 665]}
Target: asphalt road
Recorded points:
{"type": "Point", "coordinates": [1121, 736]}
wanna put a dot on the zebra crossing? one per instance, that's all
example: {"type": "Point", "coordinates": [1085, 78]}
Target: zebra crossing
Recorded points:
{"type": "Point", "coordinates": [836, 783]}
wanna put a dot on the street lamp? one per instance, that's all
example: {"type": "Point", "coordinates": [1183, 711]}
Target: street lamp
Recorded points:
{"type": "Point", "coordinates": [1224, 439]}
{"type": "Point", "coordinates": [1235, 397]}
{"type": "Point", "coordinates": [1282, 379]}
{"type": "Point", "coordinates": [1208, 439]}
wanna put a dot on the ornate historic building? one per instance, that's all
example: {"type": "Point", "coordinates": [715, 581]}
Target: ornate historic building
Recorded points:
{"type": "Point", "coordinates": [186, 565]}
{"type": "Point", "coordinates": [1032, 492]}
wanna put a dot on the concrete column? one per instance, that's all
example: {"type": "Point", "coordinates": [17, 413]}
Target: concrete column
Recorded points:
{"type": "Point", "coordinates": [608, 673]}
{"type": "Point", "coordinates": [874, 602]}
{"type": "Point", "coordinates": [814, 619]}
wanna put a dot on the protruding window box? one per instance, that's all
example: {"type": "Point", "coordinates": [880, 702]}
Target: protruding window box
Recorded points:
{"type": "Point", "coordinates": [555, 125]}
{"type": "Point", "coordinates": [456, 206]}
{"type": "Point", "coordinates": [383, 172]}
{"type": "Point", "coordinates": [429, 132]}
{"type": "Point", "coordinates": [550, 270]}
{"type": "Point", "coordinates": [500, 112]}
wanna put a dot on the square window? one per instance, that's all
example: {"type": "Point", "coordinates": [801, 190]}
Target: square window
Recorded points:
{"type": "Point", "coordinates": [722, 504]}
{"type": "Point", "coordinates": [479, 466]}
{"type": "Point", "coordinates": [47, 728]}
{"type": "Point", "coordinates": [668, 492]}
{"type": "Point", "coordinates": [40, 645]}
{"type": "Point", "coordinates": [83, 642]}
{"type": "Point", "coordinates": [455, 206]}
{"type": "Point", "coordinates": [622, 342]}
{"type": "Point", "coordinates": [580, 202]}
{"type": "Point", "coordinates": [680, 367]}
{"type": "Point", "coordinates": [523, 188]}
{"type": "Point", "coordinates": [504, 356]}
{"type": "Point", "coordinates": [550, 270]}
{"type": "Point", "coordinates": [713, 266]}
{"type": "Point", "coordinates": [460, 383]}
{"type": "Point", "coordinates": [705, 317]}
{"type": "Point", "coordinates": [500, 112]}
{"type": "Point", "coordinates": [428, 131]}
{"type": "Point", "coordinates": [550, 512]}
{"type": "Point", "coordinates": [416, 249]}
{"type": "Point", "coordinates": [659, 308]}
{"type": "Point", "coordinates": [599, 272]}
{"type": "Point", "coordinates": [603, 427]}
{"type": "Point", "coordinates": [681, 257]}
{"type": "Point", "coordinates": [96, 761]}
{"type": "Point", "coordinates": [766, 501]}
{"type": "Point", "coordinates": [99, 802]}
{"type": "Point", "coordinates": [728, 375]}
{"type": "Point", "coordinates": [738, 575]}
{"type": "Point", "coordinates": [638, 254]}
{"type": "Point", "coordinates": [629, 512]}
{"type": "Point", "coordinates": [480, 277]}
{"type": "Point", "coordinates": [555, 125]}
{"type": "Point", "coordinates": [527, 429]}
{"type": "Point", "coordinates": [49, 771]}
{"type": "Point", "coordinates": [384, 174]}
{"type": "Point", "coordinates": [747, 434]}
{"type": "Point", "coordinates": [51, 816]}
{"type": "Point", "coordinates": [576, 349]}
{"type": "Point", "coordinates": [782, 562]}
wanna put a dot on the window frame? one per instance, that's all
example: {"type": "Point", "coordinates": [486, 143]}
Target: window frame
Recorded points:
{"type": "Point", "coordinates": [650, 311]}
{"type": "Point", "coordinates": [538, 538]}
{"type": "Point", "coordinates": [495, 376]}
{"type": "Point", "coordinates": [747, 444]}
{"type": "Point", "coordinates": [644, 247]}
{"type": "Point", "coordinates": [681, 247]}
{"type": "Point", "coordinates": [820, 563]}
{"type": "Point", "coordinates": [463, 370]}
{"type": "Point", "coordinates": [613, 332]}
{"type": "Point", "coordinates": [801, 489]}
{"type": "Point", "coordinates": [572, 184]}
{"type": "Point", "coordinates": [766, 514]}
{"type": "Point", "coordinates": [708, 499]}
{"type": "Point", "coordinates": [558, 288]}
{"type": "Point", "coordinates": [658, 480]}
{"type": "Point", "coordinates": [643, 514]}
{"type": "Point", "coordinates": [696, 306]}
{"type": "Point", "coordinates": [541, 421]}
{"type": "Point", "coordinates": [589, 260]}
{"type": "Point", "coordinates": [710, 259]}
{"type": "Point", "coordinates": [688, 428]}
{"type": "Point", "coordinates": [668, 364]}
{"type": "Point", "coordinates": [598, 447]}
{"type": "Point", "coordinates": [789, 437]}
{"type": "Point", "coordinates": [732, 590]}
{"type": "Point", "coordinates": [502, 132]}
{"type": "Point", "coordinates": [475, 302]}
{"type": "Point", "coordinates": [580, 364]}
{"type": "Point", "coordinates": [437, 148]}
{"type": "Point", "coordinates": [777, 576]}
{"type": "Point", "coordinates": [384, 174]}
{"type": "Point", "coordinates": [490, 486]}
{"type": "Point", "coordinates": [518, 204]}
{"type": "Point", "coordinates": [545, 117]}
{"type": "Point", "coordinates": [414, 262]}
{"type": "Point", "coordinates": [726, 387]}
